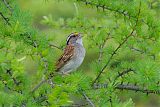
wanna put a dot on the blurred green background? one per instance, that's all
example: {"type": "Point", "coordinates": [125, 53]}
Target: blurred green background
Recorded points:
{"type": "Point", "coordinates": [63, 9]}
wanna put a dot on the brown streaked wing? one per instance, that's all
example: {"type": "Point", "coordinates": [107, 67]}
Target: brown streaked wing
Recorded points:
{"type": "Point", "coordinates": [66, 56]}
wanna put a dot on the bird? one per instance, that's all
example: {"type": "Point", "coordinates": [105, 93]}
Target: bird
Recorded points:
{"type": "Point", "coordinates": [73, 55]}
{"type": "Point", "coordinates": [71, 59]}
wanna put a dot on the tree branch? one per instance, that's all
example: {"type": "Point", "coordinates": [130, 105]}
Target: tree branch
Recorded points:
{"type": "Point", "coordinates": [49, 80]}
{"type": "Point", "coordinates": [76, 105]}
{"type": "Point", "coordinates": [11, 89]}
{"type": "Point", "coordinates": [136, 88]}
{"type": "Point", "coordinates": [16, 82]}
{"type": "Point", "coordinates": [55, 46]}
{"type": "Point", "coordinates": [123, 73]}
{"type": "Point", "coordinates": [121, 44]}
{"type": "Point", "coordinates": [142, 52]}
{"type": "Point", "coordinates": [7, 5]}
{"type": "Point", "coordinates": [86, 97]}
{"type": "Point", "coordinates": [37, 86]}
{"type": "Point", "coordinates": [123, 12]}
{"type": "Point", "coordinates": [5, 18]}
{"type": "Point", "coordinates": [128, 87]}
{"type": "Point", "coordinates": [114, 52]}
{"type": "Point", "coordinates": [11, 10]}
{"type": "Point", "coordinates": [120, 11]}
{"type": "Point", "coordinates": [102, 46]}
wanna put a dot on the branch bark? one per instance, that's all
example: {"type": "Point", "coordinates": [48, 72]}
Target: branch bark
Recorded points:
{"type": "Point", "coordinates": [55, 46]}
{"type": "Point", "coordinates": [123, 73]}
{"type": "Point", "coordinates": [102, 46]}
{"type": "Point", "coordinates": [86, 97]}
{"type": "Point", "coordinates": [16, 82]}
{"type": "Point", "coordinates": [128, 87]}
{"type": "Point", "coordinates": [123, 12]}
{"type": "Point", "coordinates": [120, 11]}
{"type": "Point", "coordinates": [120, 45]}
{"type": "Point", "coordinates": [11, 89]}
{"type": "Point", "coordinates": [7, 5]}
{"type": "Point", "coordinates": [5, 18]}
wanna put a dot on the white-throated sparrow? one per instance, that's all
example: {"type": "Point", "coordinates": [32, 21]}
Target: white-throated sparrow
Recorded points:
{"type": "Point", "coordinates": [73, 55]}
{"type": "Point", "coordinates": [71, 59]}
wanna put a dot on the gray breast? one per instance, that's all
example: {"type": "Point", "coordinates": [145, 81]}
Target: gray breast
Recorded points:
{"type": "Point", "coordinates": [76, 61]}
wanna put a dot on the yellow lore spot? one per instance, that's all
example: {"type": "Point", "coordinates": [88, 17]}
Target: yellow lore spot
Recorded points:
{"type": "Point", "coordinates": [76, 34]}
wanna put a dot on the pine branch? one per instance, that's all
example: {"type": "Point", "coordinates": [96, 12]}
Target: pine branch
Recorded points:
{"type": "Point", "coordinates": [2, 15]}
{"type": "Point", "coordinates": [5, 18]}
{"type": "Point", "coordinates": [119, 11]}
{"type": "Point", "coordinates": [16, 82]}
{"type": "Point", "coordinates": [100, 53]}
{"type": "Point", "coordinates": [11, 89]}
{"type": "Point", "coordinates": [7, 5]}
{"type": "Point", "coordinates": [127, 87]}
{"type": "Point", "coordinates": [35, 44]}
{"type": "Point", "coordinates": [142, 52]}
{"type": "Point", "coordinates": [88, 100]}
{"type": "Point", "coordinates": [28, 36]}
{"type": "Point", "coordinates": [41, 83]}
{"type": "Point", "coordinates": [102, 46]}
{"type": "Point", "coordinates": [41, 98]}
{"type": "Point", "coordinates": [104, 7]}
{"type": "Point", "coordinates": [110, 100]}
{"type": "Point", "coordinates": [86, 97]}
{"type": "Point", "coordinates": [114, 52]}
{"type": "Point", "coordinates": [138, 50]}
{"type": "Point", "coordinates": [123, 73]}
{"type": "Point", "coordinates": [120, 45]}
{"type": "Point", "coordinates": [76, 105]}
{"type": "Point", "coordinates": [136, 88]}
{"type": "Point", "coordinates": [49, 80]}
{"type": "Point", "coordinates": [55, 46]}
{"type": "Point", "coordinates": [37, 86]}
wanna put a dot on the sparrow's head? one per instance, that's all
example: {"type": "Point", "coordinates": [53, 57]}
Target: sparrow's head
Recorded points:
{"type": "Point", "coordinates": [74, 38]}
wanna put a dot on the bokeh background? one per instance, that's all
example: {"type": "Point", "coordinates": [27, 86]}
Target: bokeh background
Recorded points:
{"type": "Point", "coordinates": [55, 9]}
